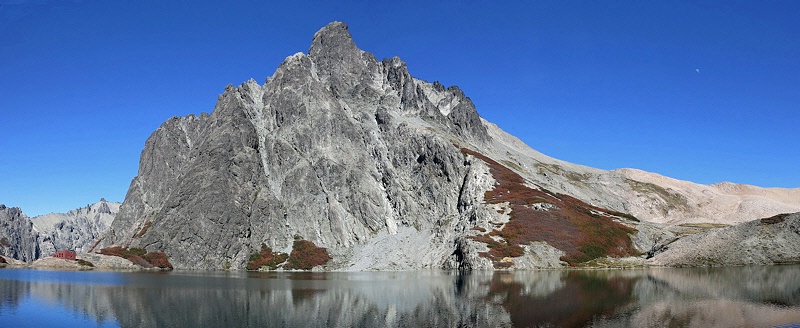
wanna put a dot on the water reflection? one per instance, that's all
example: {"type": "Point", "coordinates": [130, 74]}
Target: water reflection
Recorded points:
{"type": "Point", "coordinates": [723, 297]}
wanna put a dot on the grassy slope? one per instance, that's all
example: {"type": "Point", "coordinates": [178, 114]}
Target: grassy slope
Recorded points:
{"type": "Point", "coordinates": [584, 232]}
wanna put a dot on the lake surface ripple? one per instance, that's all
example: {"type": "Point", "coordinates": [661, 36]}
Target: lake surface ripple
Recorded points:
{"type": "Point", "coordinates": [686, 297]}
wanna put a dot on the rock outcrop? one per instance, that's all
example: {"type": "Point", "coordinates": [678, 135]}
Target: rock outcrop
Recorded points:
{"type": "Point", "coordinates": [18, 240]}
{"type": "Point", "coordinates": [75, 230]}
{"type": "Point", "coordinates": [773, 240]}
{"type": "Point", "coordinates": [387, 172]}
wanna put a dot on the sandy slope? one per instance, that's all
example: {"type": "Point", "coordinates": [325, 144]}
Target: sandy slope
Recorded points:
{"type": "Point", "coordinates": [648, 196]}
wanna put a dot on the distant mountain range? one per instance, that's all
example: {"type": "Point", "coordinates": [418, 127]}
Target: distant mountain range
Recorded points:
{"type": "Point", "coordinates": [28, 239]}
{"type": "Point", "coordinates": [355, 161]}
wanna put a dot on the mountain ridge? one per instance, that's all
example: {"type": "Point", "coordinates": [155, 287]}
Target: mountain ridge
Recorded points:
{"type": "Point", "coordinates": [358, 157]}
{"type": "Point", "coordinates": [75, 230]}
{"type": "Point", "coordinates": [28, 239]}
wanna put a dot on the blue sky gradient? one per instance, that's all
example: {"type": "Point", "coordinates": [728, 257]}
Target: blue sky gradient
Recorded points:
{"type": "Point", "coordinates": [699, 91]}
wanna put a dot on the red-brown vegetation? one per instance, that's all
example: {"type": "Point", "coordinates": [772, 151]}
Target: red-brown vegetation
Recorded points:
{"type": "Point", "coordinates": [478, 229]}
{"type": "Point", "coordinates": [158, 259]}
{"type": "Point", "coordinates": [573, 305]}
{"type": "Point", "coordinates": [2, 260]}
{"type": "Point", "coordinates": [266, 258]}
{"type": "Point", "coordinates": [582, 231]}
{"type": "Point", "coordinates": [139, 256]}
{"type": "Point", "coordinates": [306, 255]}
{"type": "Point", "coordinates": [146, 226]}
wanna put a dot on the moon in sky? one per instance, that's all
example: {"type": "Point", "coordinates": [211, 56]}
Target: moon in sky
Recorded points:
{"type": "Point", "coordinates": [697, 70]}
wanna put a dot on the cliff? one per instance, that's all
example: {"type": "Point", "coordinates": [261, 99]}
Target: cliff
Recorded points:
{"type": "Point", "coordinates": [17, 237]}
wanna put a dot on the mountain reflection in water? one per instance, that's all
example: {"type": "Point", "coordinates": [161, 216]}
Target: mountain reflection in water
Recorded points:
{"type": "Point", "coordinates": [706, 297]}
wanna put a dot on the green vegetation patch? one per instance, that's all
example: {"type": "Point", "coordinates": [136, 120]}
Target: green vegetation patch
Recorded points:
{"type": "Point", "coordinates": [584, 232]}
{"type": "Point", "coordinates": [624, 216]}
{"type": "Point", "coordinates": [704, 225]}
{"type": "Point", "coordinates": [84, 263]}
{"type": "Point", "coordinates": [674, 200]}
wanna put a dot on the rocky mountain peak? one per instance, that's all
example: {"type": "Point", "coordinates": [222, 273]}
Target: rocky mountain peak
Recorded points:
{"type": "Point", "coordinates": [103, 207]}
{"type": "Point", "coordinates": [339, 63]}
{"type": "Point", "coordinates": [332, 40]}
{"type": "Point", "coordinates": [74, 230]}
{"type": "Point", "coordinates": [359, 157]}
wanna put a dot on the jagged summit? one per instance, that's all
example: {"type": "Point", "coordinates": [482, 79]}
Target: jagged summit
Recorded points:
{"type": "Point", "coordinates": [76, 229]}
{"type": "Point", "coordinates": [27, 239]}
{"type": "Point", "coordinates": [384, 170]}
{"type": "Point", "coordinates": [333, 40]}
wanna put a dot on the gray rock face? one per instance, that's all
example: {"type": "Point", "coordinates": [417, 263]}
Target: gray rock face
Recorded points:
{"type": "Point", "coordinates": [18, 240]}
{"type": "Point", "coordinates": [75, 230]}
{"type": "Point", "coordinates": [28, 239]}
{"type": "Point", "coordinates": [774, 240]}
{"type": "Point", "coordinates": [359, 157]}
{"type": "Point", "coordinates": [337, 147]}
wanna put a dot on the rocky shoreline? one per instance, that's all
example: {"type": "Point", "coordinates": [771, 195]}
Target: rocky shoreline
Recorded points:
{"type": "Point", "coordinates": [84, 261]}
{"type": "Point", "coordinates": [764, 242]}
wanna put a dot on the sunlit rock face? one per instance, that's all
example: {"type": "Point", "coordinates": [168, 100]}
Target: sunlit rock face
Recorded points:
{"type": "Point", "coordinates": [28, 239]}
{"type": "Point", "coordinates": [361, 158]}
{"type": "Point", "coordinates": [336, 147]}
{"type": "Point", "coordinates": [75, 230]}
{"type": "Point", "coordinates": [17, 237]}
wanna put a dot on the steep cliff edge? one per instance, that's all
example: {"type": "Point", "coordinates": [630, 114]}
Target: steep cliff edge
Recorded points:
{"type": "Point", "coordinates": [337, 148]}
{"type": "Point", "coordinates": [17, 237]}
{"type": "Point", "coordinates": [384, 171]}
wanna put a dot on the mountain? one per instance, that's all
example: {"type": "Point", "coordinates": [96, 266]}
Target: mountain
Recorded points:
{"type": "Point", "coordinates": [385, 171]}
{"type": "Point", "coordinates": [28, 239]}
{"type": "Point", "coordinates": [75, 230]}
{"type": "Point", "coordinates": [17, 237]}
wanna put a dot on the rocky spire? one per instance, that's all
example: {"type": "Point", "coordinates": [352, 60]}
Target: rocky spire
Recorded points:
{"type": "Point", "coordinates": [332, 41]}
{"type": "Point", "coordinates": [338, 60]}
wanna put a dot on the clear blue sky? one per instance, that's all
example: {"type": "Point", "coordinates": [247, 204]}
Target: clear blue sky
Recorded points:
{"type": "Point", "coordinates": [705, 92]}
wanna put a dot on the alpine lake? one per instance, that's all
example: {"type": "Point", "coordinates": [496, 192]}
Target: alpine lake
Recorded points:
{"type": "Point", "coordinates": [655, 297]}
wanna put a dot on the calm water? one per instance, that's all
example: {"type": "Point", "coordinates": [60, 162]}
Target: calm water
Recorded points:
{"type": "Point", "coordinates": [721, 297]}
